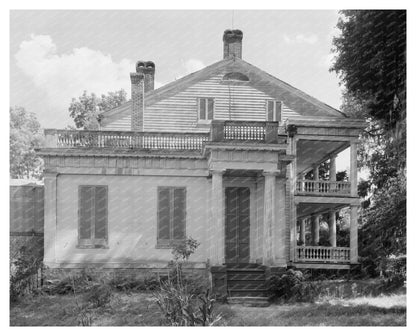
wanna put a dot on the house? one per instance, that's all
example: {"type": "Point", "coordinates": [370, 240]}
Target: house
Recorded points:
{"type": "Point", "coordinates": [220, 155]}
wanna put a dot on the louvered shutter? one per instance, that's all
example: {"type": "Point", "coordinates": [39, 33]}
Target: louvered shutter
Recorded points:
{"type": "Point", "coordinates": [270, 107]}
{"type": "Point", "coordinates": [202, 109]}
{"type": "Point", "coordinates": [86, 212]}
{"type": "Point", "coordinates": [101, 204]}
{"type": "Point", "coordinates": [278, 111]}
{"type": "Point", "coordinates": [179, 213]}
{"type": "Point", "coordinates": [163, 214]}
{"type": "Point", "coordinates": [210, 109]}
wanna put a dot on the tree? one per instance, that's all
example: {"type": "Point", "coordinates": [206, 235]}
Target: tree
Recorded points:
{"type": "Point", "coordinates": [371, 63]}
{"type": "Point", "coordinates": [25, 136]}
{"type": "Point", "coordinates": [85, 110]}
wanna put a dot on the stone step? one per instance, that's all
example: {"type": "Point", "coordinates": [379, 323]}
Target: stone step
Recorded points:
{"type": "Point", "coordinates": [246, 285]}
{"type": "Point", "coordinates": [247, 293]}
{"type": "Point", "coordinates": [245, 266]}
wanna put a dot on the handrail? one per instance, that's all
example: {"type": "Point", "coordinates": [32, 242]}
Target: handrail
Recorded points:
{"type": "Point", "coordinates": [322, 253]}
{"type": "Point", "coordinates": [313, 187]}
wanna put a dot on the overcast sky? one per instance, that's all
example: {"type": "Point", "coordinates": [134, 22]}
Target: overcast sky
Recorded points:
{"type": "Point", "coordinates": [56, 55]}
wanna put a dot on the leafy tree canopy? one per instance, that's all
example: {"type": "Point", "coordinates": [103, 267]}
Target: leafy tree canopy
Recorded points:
{"type": "Point", "coordinates": [86, 108]}
{"type": "Point", "coordinates": [371, 61]}
{"type": "Point", "coordinates": [25, 136]}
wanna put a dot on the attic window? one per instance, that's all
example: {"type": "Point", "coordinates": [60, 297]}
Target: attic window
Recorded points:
{"type": "Point", "coordinates": [235, 76]}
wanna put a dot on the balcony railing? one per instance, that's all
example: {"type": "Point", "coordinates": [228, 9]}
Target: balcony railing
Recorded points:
{"type": "Point", "coordinates": [247, 131]}
{"type": "Point", "coordinates": [310, 187]}
{"type": "Point", "coordinates": [126, 140]}
{"type": "Point", "coordinates": [322, 254]}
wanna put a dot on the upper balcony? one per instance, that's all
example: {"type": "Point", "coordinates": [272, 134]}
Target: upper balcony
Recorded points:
{"type": "Point", "coordinates": [221, 131]}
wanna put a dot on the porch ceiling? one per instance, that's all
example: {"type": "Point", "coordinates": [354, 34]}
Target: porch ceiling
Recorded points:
{"type": "Point", "coordinates": [307, 209]}
{"type": "Point", "coordinates": [310, 152]}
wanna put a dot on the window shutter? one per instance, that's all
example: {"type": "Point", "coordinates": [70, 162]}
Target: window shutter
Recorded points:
{"type": "Point", "coordinates": [278, 110]}
{"type": "Point", "coordinates": [210, 109]}
{"type": "Point", "coordinates": [86, 212]}
{"type": "Point", "coordinates": [101, 204]}
{"type": "Point", "coordinates": [179, 213]}
{"type": "Point", "coordinates": [270, 110]}
{"type": "Point", "coordinates": [202, 108]}
{"type": "Point", "coordinates": [163, 214]}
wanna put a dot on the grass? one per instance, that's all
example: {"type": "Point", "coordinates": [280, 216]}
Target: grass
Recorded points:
{"type": "Point", "coordinates": [139, 309]}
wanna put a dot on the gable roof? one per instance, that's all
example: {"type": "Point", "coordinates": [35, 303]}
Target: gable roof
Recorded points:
{"type": "Point", "coordinates": [295, 99]}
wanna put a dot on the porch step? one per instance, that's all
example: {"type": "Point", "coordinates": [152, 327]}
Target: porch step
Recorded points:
{"type": "Point", "coordinates": [250, 301]}
{"type": "Point", "coordinates": [246, 280]}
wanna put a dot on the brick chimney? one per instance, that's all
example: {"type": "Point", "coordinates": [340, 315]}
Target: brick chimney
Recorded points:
{"type": "Point", "coordinates": [142, 81]}
{"type": "Point", "coordinates": [232, 43]}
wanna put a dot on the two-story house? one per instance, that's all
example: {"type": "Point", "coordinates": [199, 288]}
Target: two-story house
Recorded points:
{"type": "Point", "coordinates": [219, 155]}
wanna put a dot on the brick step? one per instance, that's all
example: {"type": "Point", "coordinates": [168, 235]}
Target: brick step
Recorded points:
{"type": "Point", "coordinates": [248, 293]}
{"type": "Point", "coordinates": [245, 266]}
{"type": "Point", "coordinates": [246, 276]}
{"type": "Point", "coordinates": [250, 301]}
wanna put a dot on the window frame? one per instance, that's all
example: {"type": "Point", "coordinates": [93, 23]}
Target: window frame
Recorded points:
{"type": "Point", "coordinates": [171, 242]}
{"type": "Point", "coordinates": [92, 243]}
{"type": "Point", "coordinates": [275, 103]}
{"type": "Point", "coordinates": [207, 99]}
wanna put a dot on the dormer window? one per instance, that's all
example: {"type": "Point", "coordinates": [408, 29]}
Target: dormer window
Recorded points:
{"type": "Point", "coordinates": [274, 110]}
{"type": "Point", "coordinates": [205, 109]}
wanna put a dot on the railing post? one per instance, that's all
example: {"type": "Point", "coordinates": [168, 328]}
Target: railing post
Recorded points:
{"type": "Point", "coordinates": [217, 130]}
{"type": "Point", "coordinates": [271, 132]}
{"type": "Point", "coordinates": [51, 138]}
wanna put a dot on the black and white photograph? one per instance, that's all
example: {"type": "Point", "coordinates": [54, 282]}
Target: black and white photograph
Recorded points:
{"type": "Point", "coordinates": [207, 167]}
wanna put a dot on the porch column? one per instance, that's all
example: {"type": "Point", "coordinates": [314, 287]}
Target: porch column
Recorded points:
{"type": "Point", "coordinates": [218, 232]}
{"type": "Point", "coordinates": [316, 173]}
{"type": "Point", "coordinates": [302, 231]}
{"type": "Point", "coordinates": [353, 168]}
{"type": "Point", "coordinates": [269, 216]}
{"type": "Point", "coordinates": [315, 229]}
{"type": "Point", "coordinates": [332, 168]}
{"type": "Point", "coordinates": [353, 233]}
{"type": "Point", "coordinates": [50, 214]}
{"type": "Point", "coordinates": [332, 228]}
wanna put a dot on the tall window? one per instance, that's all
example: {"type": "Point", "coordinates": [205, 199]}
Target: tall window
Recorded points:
{"type": "Point", "coordinates": [171, 216]}
{"type": "Point", "coordinates": [205, 109]}
{"type": "Point", "coordinates": [92, 215]}
{"type": "Point", "coordinates": [274, 110]}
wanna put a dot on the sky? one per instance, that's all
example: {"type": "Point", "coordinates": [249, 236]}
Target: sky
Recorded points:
{"type": "Point", "coordinates": [56, 55]}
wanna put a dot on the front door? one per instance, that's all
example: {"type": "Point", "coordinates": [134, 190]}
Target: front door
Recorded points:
{"type": "Point", "coordinates": [237, 225]}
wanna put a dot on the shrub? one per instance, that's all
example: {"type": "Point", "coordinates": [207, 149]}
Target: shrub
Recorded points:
{"type": "Point", "coordinates": [80, 282]}
{"type": "Point", "coordinates": [99, 295]}
{"type": "Point", "coordinates": [132, 283]}
{"type": "Point", "coordinates": [291, 286]}
{"type": "Point", "coordinates": [24, 267]}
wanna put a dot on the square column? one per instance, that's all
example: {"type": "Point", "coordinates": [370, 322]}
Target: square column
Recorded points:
{"type": "Point", "coordinates": [332, 229]}
{"type": "Point", "coordinates": [353, 168]}
{"type": "Point", "coordinates": [217, 235]}
{"type": "Point", "coordinates": [353, 233]}
{"type": "Point", "coordinates": [269, 229]}
{"type": "Point", "coordinates": [50, 218]}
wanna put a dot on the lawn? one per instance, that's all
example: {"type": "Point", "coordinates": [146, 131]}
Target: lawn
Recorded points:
{"type": "Point", "coordinates": [140, 309]}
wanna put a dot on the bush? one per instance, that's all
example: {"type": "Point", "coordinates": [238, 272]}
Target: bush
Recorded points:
{"type": "Point", "coordinates": [25, 267]}
{"type": "Point", "coordinates": [80, 282]}
{"type": "Point", "coordinates": [99, 295]}
{"type": "Point", "coordinates": [291, 287]}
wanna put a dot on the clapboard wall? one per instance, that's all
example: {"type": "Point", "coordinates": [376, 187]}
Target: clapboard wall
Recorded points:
{"type": "Point", "coordinates": [178, 113]}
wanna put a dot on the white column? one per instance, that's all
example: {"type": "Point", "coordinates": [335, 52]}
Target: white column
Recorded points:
{"type": "Point", "coordinates": [353, 168]}
{"type": "Point", "coordinates": [218, 232]}
{"type": "Point", "coordinates": [332, 168]}
{"type": "Point", "coordinates": [353, 233]}
{"type": "Point", "coordinates": [315, 230]}
{"type": "Point", "coordinates": [302, 231]}
{"type": "Point", "coordinates": [332, 228]}
{"type": "Point", "coordinates": [50, 218]}
{"type": "Point", "coordinates": [269, 217]}
{"type": "Point", "coordinates": [316, 173]}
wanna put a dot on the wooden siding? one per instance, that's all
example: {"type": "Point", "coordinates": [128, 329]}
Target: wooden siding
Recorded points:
{"type": "Point", "coordinates": [179, 112]}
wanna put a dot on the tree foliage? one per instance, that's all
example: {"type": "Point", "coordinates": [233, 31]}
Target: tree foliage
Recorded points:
{"type": "Point", "coordinates": [85, 109]}
{"type": "Point", "coordinates": [371, 63]}
{"type": "Point", "coordinates": [25, 136]}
